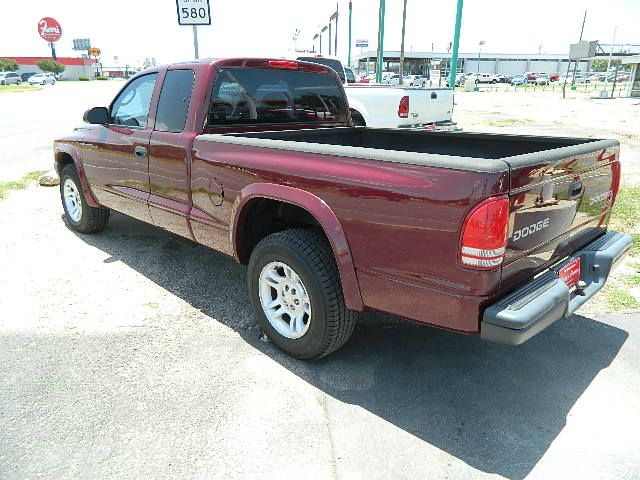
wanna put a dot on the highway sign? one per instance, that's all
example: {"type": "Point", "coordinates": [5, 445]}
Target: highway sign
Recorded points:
{"type": "Point", "coordinates": [49, 29]}
{"type": "Point", "coordinates": [193, 12]}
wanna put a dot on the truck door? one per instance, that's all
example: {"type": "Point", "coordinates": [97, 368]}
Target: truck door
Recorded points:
{"type": "Point", "coordinates": [170, 152]}
{"type": "Point", "coordinates": [116, 161]}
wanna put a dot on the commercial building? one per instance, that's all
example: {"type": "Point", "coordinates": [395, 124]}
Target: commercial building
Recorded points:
{"type": "Point", "coordinates": [420, 63]}
{"type": "Point", "coordinates": [74, 67]}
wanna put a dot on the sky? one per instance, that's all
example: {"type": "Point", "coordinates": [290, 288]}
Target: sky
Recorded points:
{"type": "Point", "coordinates": [134, 29]}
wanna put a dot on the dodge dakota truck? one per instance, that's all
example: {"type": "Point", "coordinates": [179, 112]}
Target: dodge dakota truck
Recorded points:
{"type": "Point", "coordinates": [499, 235]}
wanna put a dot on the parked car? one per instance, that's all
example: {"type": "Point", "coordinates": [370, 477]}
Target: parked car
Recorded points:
{"type": "Point", "coordinates": [397, 106]}
{"type": "Point", "coordinates": [519, 80]}
{"type": "Point", "coordinates": [412, 80]}
{"type": "Point", "coordinates": [474, 233]}
{"type": "Point", "coordinates": [419, 80]}
{"type": "Point", "coordinates": [392, 79]}
{"type": "Point", "coordinates": [42, 79]}
{"type": "Point", "coordinates": [554, 77]}
{"type": "Point", "coordinates": [621, 77]}
{"type": "Point", "coordinates": [486, 78]}
{"type": "Point", "coordinates": [350, 77]}
{"type": "Point", "coordinates": [579, 78]}
{"type": "Point", "coordinates": [460, 78]}
{"type": "Point", "coordinates": [364, 79]}
{"type": "Point", "coordinates": [503, 78]}
{"type": "Point", "coordinates": [26, 76]}
{"type": "Point", "coordinates": [542, 79]}
{"type": "Point", "coordinates": [598, 77]}
{"type": "Point", "coordinates": [10, 78]}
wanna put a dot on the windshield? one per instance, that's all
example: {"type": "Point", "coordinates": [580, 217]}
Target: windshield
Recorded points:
{"type": "Point", "coordinates": [327, 62]}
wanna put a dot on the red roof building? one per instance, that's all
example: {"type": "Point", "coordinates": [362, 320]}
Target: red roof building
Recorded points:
{"type": "Point", "coordinates": [74, 67]}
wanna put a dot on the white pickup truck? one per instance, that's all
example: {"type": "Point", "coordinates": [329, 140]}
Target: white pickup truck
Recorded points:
{"type": "Point", "coordinates": [398, 106]}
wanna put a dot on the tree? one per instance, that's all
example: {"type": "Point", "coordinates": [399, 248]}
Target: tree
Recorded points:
{"type": "Point", "coordinates": [50, 66]}
{"type": "Point", "coordinates": [600, 65]}
{"type": "Point", "coordinates": [8, 65]}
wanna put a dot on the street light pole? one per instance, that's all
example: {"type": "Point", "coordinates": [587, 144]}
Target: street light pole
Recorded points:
{"type": "Point", "coordinates": [349, 54]}
{"type": "Point", "coordinates": [335, 36]}
{"type": "Point", "coordinates": [456, 40]}
{"type": "Point", "coordinates": [380, 42]}
{"type": "Point", "coordinates": [404, 20]}
{"type": "Point", "coordinates": [477, 87]}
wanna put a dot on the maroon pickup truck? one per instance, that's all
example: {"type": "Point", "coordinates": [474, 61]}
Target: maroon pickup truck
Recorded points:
{"type": "Point", "coordinates": [493, 234]}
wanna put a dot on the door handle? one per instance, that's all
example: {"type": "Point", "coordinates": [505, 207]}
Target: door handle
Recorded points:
{"type": "Point", "coordinates": [140, 152]}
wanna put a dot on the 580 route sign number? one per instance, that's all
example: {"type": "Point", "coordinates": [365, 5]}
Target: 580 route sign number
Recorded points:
{"type": "Point", "coordinates": [193, 12]}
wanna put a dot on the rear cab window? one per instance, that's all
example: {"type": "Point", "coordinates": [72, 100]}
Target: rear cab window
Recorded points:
{"type": "Point", "coordinates": [254, 96]}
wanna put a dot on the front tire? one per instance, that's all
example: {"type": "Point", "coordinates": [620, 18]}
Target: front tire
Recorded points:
{"type": "Point", "coordinates": [297, 296]}
{"type": "Point", "coordinates": [79, 215]}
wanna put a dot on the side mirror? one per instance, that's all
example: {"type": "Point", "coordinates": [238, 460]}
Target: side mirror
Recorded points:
{"type": "Point", "coordinates": [96, 115]}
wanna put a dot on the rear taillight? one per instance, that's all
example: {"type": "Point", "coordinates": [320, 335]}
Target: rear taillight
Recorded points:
{"type": "Point", "coordinates": [403, 107]}
{"type": "Point", "coordinates": [615, 180]}
{"type": "Point", "coordinates": [483, 240]}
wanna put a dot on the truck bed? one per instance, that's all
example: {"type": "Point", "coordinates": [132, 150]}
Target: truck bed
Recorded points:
{"type": "Point", "coordinates": [560, 190]}
{"type": "Point", "coordinates": [432, 147]}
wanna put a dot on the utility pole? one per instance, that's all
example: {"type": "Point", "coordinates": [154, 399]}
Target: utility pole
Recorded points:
{"type": "Point", "coordinates": [321, 32]}
{"type": "Point", "coordinates": [456, 42]}
{"type": "Point", "coordinates": [404, 20]}
{"type": "Point", "coordinates": [575, 65]}
{"type": "Point", "coordinates": [380, 42]}
{"type": "Point", "coordinates": [573, 80]}
{"type": "Point", "coordinates": [335, 37]}
{"type": "Point", "coordinates": [606, 78]}
{"type": "Point", "coordinates": [349, 54]}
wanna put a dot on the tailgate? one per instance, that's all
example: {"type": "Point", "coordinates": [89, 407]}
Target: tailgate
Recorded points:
{"type": "Point", "coordinates": [429, 105]}
{"type": "Point", "coordinates": [560, 200]}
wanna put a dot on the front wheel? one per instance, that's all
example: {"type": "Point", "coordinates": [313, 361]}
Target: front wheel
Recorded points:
{"type": "Point", "coordinates": [296, 294]}
{"type": "Point", "coordinates": [79, 214]}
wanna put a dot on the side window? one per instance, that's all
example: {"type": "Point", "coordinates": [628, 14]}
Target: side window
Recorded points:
{"type": "Point", "coordinates": [174, 101]}
{"type": "Point", "coordinates": [131, 108]}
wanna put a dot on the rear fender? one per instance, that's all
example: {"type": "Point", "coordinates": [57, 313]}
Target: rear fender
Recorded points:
{"type": "Point", "coordinates": [325, 217]}
{"type": "Point", "coordinates": [357, 106]}
{"type": "Point", "coordinates": [61, 150]}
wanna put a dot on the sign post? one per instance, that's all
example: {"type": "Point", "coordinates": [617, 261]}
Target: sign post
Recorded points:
{"type": "Point", "coordinates": [194, 13]}
{"type": "Point", "coordinates": [50, 31]}
{"type": "Point", "coordinates": [363, 43]}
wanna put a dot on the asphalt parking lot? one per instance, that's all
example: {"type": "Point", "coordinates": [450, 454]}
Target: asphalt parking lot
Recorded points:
{"type": "Point", "coordinates": [134, 354]}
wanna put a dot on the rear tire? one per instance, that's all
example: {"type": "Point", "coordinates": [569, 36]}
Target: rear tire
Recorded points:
{"type": "Point", "coordinates": [357, 120]}
{"type": "Point", "coordinates": [79, 215]}
{"type": "Point", "coordinates": [296, 294]}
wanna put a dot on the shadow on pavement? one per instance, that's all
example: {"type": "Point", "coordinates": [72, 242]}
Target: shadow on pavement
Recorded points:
{"type": "Point", "coordinates": [496, 408]}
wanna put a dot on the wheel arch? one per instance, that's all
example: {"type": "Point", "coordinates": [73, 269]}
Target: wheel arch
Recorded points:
{"type": "Point", "coordinates": [65, 155]}
{"type": "Point", "coordinates": [357, 107]}
{"type": "Point", "coordinates": [317, 210]}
